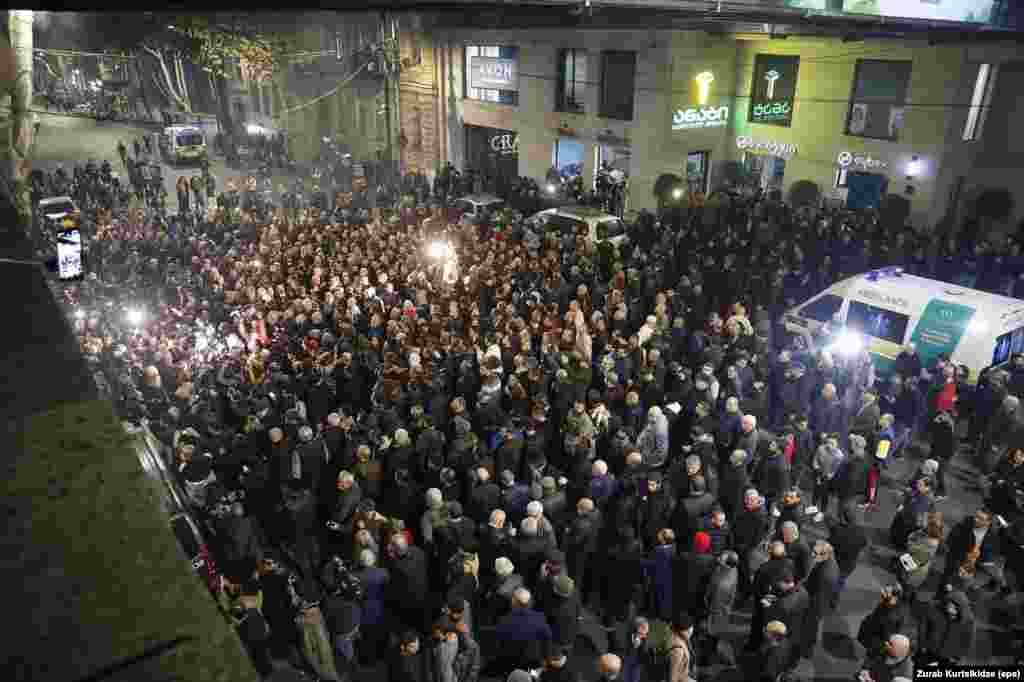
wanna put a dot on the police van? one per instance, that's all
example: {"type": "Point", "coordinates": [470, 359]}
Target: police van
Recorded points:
{"type": "Point", "coordinates": [183, 143]}
{"type": "Point", "coordinates": [886, 309]}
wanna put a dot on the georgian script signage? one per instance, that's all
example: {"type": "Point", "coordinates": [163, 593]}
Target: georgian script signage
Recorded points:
{"type": "Point", "coordinates": [494, 73]}
{"type": "Point", "coordinates": [780, 149]}
{"type": "Point", "coordinates": [505, 144]}
{"type": "Point", "coordinates": [885, 299]}
{"type": "Point", "coordinates": [773, 89]}
{"type": "Point", "coordinates": [700, 117]}
{"type": "Point", "coordinates": [864, 161]}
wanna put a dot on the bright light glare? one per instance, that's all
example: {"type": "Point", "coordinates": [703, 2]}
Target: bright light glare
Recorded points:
{"type": "Point", "coordinates": [438, 250]}
{"type": "Point", "coordinates": [134, 317]}
{"type": "Point", "coordinates": [254, 129]}
{"type": "Point", "coordinates": [977, 326]}
{"type": "Point", "coordinates": [80, 314]}
{"type": "Point", "coordinates": [552, 189]}
{"type": "Point", "coordinates": [848, 343]}
{"type": "Point", "coordinates": [677, 193]}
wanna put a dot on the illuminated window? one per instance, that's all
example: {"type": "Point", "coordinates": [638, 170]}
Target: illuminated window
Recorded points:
{"type": "Point", "coordinates": [501, 96]}
{"type": "Point", "coordinates": [572, 78]}
{"type": "Point", "coordinates": [980, 99]}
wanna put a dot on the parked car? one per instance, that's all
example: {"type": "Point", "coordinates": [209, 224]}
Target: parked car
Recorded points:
{"type": "Point", "coordinates": [475, 205]}
{"type": "Point", "coordinates": [599, 225]}
{"type": "Point", "coordinates": [55, 209]}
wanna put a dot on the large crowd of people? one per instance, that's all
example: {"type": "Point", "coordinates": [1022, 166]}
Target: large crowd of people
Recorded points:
{"type": "Point", "coordinates": [477, 450]}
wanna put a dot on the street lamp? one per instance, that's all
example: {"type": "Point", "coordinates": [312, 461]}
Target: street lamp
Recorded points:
{"type": "Point", "coordinates": [677, 193]}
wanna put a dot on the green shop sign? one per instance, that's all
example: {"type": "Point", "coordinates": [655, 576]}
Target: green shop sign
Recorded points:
{"type": "Point", "coordinates": [940, 329]}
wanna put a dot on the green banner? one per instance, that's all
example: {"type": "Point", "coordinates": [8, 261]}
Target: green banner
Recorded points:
{"type": "Point", "coordinates": [940, 329]}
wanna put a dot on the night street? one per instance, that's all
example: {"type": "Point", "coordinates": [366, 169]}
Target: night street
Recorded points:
{"type": "Point", "coordinates": [538, 362]}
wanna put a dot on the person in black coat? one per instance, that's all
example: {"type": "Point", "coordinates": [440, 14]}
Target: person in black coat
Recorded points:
{"type": "Point", "coordinates": [822, 586]}
{"type": "Point", "coordinates": [692, 574]}
{"type": "Point", "coordinates": [484, 497]}
{"type": "Point", "coordinates": [749, 530]}
{"type": "Point", "coordinates": [790, 606]}
{"type": "Point", "coordinates": [254, 630]}
{"type": "Point", "coordinates": [942, 434]}
{"type": "Point", "coordinates": [964, 538]}
{"type": "Point", "coordinates": [889, 617]}
{"type": "Point", "coordinates": [409, 589]}
{"type": "Point", "coordinates": [848, 540]}
{"type": "Point", "coordinates": [412, 664]}
{"type": "Point", "coordinates": [623, 577]}
{"type": "Point", "coordinates": [797, 550]}
{"type": "Point", "coordinates": [563, 611]}
{"type": "Point", "coordinates": [655, 509]}
{"type": "Point", "coordinates": [766, 577]}
{"type": "Point", "coordinates": [772, 476]}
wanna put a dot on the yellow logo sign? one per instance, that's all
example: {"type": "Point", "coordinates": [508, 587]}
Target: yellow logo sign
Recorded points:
{"type": "Point", "coordinates": [704, 81]}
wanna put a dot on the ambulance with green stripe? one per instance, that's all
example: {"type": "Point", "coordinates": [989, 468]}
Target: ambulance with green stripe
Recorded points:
{"type": "Point", "coordinates": [886, 309]}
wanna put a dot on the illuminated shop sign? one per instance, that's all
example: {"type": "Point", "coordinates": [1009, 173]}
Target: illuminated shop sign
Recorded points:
{"type": "Point", "coordinates": [780, 149]}
{"type": "Point", "coordinates": [773, 89]}
{"type": "Point", "coordinates": [493, 73]}
{"type": "Point", "coordinates": [865, 161]}
{"type": "Point", "coordinates": [507, 143]}
{"type": "Point", "coordinates": [701, 116]}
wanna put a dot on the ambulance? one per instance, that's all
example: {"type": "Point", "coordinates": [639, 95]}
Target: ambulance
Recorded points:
{"type": "Point", "coordinates": [885, 309]}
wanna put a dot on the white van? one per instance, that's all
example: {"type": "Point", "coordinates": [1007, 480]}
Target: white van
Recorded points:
{"type": "Point", "coordinates": [600, 225]}
{"type": "Point", "coordinates": [890, 309]}
{"type": "Point", "coordinates": [184, 143]}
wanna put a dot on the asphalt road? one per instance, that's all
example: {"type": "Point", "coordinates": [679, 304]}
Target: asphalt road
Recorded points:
{"type": "Point", "coordinates": [70, 140]}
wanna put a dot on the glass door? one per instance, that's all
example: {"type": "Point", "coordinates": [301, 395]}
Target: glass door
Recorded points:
{"type": "Point", "coordinates": [697, 166]}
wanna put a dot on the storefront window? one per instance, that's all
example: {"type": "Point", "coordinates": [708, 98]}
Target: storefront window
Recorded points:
{"type": "Point", "coordinates": [823, 308]}
{"type": "Point", "coordinates": [879, 99]}
{"type": "Point", "coordinates": [568, 157]}
{"type": "Point", "coordinates": [510, 96]}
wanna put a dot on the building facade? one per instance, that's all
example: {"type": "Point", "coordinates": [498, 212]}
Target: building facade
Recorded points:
{"type": "Point", "coordinates": [860, 119]}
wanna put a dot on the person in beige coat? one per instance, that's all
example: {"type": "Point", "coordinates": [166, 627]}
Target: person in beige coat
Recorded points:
{"type": "Point", "coordinates": [680, 653]}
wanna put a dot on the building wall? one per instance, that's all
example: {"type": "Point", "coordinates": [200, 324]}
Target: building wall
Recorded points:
{"type": "Point", "coordinates": [824, 88]}
{"type": "Point", "coordinates": [941, 84]}
{"type": "Point", "coordinates": [419, 118]}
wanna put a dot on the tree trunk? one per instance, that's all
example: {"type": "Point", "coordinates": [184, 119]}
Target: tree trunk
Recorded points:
{"type": "Point", "coordinates": [168, 84]}
{"type": "Point", "coordinates": [22, 132]}
{"type": "Point", "coordinates": [227, 123]}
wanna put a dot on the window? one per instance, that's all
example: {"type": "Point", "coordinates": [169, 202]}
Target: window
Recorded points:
{"type": "Point", "coordinates": [877, 322]}
{"type": "Point", "coordinates": [569, 157]}
{"type": "Point", "coordinates": [980, 100]}
{"type": "Point", "coordinates": [822, 309]}
{"type": "Point", "coordinates": [618, 76]}
{"type": "Point", "coordinates": [879, 98]}
{"type": "Point", "coordinates": [842, 175]}
{"type": "Point", "coordinates": [1008, 344]}
{"type": "Point", "coordinates": [610, 229]}
{"type": "Point", "coordinates": [485, 94]}
{"type": "Point", "coordinates": [572, 79]}
{"type": "Point", "coordinates": [190, 139]}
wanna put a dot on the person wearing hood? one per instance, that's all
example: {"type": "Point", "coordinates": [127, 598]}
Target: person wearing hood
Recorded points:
{"type": "Point", "coordinates": [653, 439]}
{"type": "Point", "coordinates": [947, 631]}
